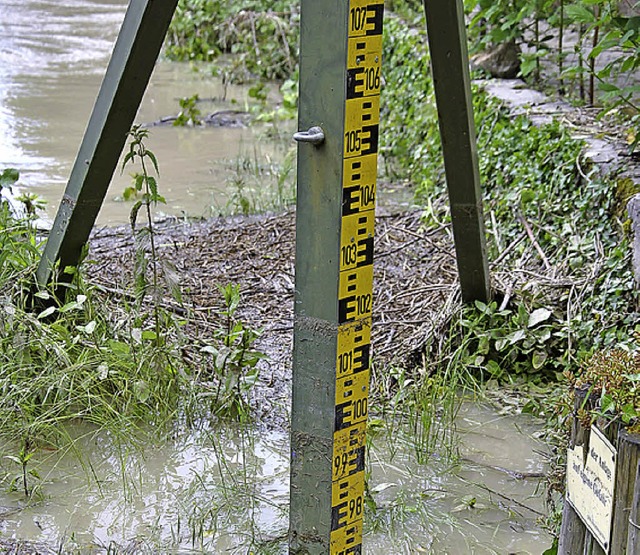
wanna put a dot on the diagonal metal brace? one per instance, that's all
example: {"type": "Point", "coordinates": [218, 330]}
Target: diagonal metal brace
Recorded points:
{"type": "Point", "coordinates": [135, 53]}
{"type": "Point", "coordinates": [450, 66]}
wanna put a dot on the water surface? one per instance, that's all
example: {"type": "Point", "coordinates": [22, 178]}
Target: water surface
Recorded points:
{"type": "Point", "coordinates": [225, 490]}
{"type": "Point", "coordinates": [53, 56]}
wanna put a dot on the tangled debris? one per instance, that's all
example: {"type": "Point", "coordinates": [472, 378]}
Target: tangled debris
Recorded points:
{"type": "Point", "coordinates": [415, 276]}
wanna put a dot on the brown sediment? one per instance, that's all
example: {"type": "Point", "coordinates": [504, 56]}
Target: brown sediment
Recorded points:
{"type": "Point", "coordinates": [415, 280]}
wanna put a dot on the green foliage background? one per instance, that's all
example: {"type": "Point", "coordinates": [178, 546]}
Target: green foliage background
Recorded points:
{"type": "Point", "coordinates": [531, 176]}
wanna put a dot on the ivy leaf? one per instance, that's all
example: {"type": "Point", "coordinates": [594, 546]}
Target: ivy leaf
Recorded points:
{"type": "Point", "coordinates": [538, 359]}
{"type": "Point", "coordinates": [628, 412]}
{"type": "Point", "coordinates": [607, 404]}
{"type": "Point", "coordinates": [538, 316]}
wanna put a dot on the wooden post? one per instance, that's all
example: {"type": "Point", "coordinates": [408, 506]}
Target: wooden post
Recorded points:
{"type": "Point", "coordinates": [623, 500]}
{"type": "Point", "coordinates": [573, 532]}
{"type": "Point", "coordinates": [633, 537]}
{"type": "Point", "coordinates": [134, 56]}
{"type": "Point", "coordinates": [575, 539]}
{"type": "Point", "coordinates": [450, 67]}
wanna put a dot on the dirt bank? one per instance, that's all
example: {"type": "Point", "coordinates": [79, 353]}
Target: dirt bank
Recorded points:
{"type": "Point", "coordinates": [415, 277]}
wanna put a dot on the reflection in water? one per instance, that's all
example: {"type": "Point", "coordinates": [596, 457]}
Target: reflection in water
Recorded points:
{"type": "Point", "coordinates": [484, 505]}
{"type": "Point", "coordinates": [213, 490]}
{"type": "Point", "coordinates": [225, 489]}
{"type": "Point", "coordinates": [53, 55]}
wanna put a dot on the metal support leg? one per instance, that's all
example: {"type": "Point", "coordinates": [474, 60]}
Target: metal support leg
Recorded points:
{"type": "Point", "coordinates": [135, 53]}
{"type": "Point", "coordinates": [450, 65]}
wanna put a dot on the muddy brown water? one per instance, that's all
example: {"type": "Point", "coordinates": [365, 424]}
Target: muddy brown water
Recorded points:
{"type": "Point", "coordinates": [224, 490]}
{"type": "Point", "coordinates": [53, 56]}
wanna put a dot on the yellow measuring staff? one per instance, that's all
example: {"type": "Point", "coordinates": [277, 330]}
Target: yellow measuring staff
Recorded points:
{"type": "Point", "coordinates": [355, 291]}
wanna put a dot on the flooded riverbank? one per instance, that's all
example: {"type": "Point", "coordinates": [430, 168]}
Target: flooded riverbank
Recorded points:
{"type": "Point", "coordinates": [53, 56]}
{"type": "Point", "coordinates": [225, 490]}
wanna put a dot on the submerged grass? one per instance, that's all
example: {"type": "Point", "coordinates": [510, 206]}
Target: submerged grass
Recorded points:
{"type": "Point", "coordinates": [259, 184]}
{"type": "Point", "coordinates": [125, 368]}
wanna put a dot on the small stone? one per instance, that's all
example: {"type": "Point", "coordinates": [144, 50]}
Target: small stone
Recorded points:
{"type": "Point", "coordinates": [502, 61]}
{"type": "Point", "coordinates": [633, 209]}
{"type": "Point", "coordinates": [628, 8]}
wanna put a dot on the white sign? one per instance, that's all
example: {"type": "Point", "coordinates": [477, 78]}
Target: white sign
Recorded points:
{"type": "Point", "coordinates": [590, 484]}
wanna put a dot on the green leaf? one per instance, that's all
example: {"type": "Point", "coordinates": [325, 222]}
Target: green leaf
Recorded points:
{"type": "Point", "coordinates": [538, 316]}
{"type": "Point", "coordinates": [605, 44]}
{"type": "Point", "coordinates": [516, 336]}
{"type": "Point", "coordinates": [129, 193]}
{"type": "Point", "coordinates": [553, 550]}
{"type": "Point", "coordinates": [128, 157]}
{"type": "Point", "coordinates": [153, 186]}
{"type": "Point", "coordinates": [141, 390]}
{"type": "Point", "coordinates": [133, 216]}
{"type": "Point", "coordinates": [89, 328]}
{"type": "Point", "coordinates": [501, 343]}
{"type": "Point", "coordinates": [47, 312]}
{"type": "Point", "coordinates": [608, 87]}
{"type": "Point", "coordinates": [118, 347]}
{"type": "Point", "coordinates": [72, 305]}
{"type": "Point", "coordinates": [9, 177]}
{"type": "Point", "coordinates": [526, 196]}
{"type": "Point", "coordinates": [480, 305]}
{"type": "Point", "coordinates": [628, 413]}
{"type": "Point", "coordinates": [607, 403]}
{"type": "Point", "coordinates": [528, 65]}
{"type": "Point", "coordinates": [154, 161]}
{"type": "Point", "coordinates": [538, 359]}
{"type": "Point", "coordinates": [149, 335]}
{"type": "Point", "coordinates": [580, 14]}
{"type": "Point", "coordinates": [494, 368]}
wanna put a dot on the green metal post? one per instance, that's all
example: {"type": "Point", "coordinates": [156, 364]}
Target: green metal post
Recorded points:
{"type": "Point", "coordinates": [321, 102]}
{"type": "Point", "coordinates": [450, 66]}
{"type": "Point", "coordinates": [134, 55]}
{"type": "Point", "coordinates": [340, 56]}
